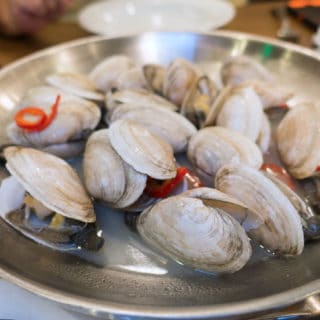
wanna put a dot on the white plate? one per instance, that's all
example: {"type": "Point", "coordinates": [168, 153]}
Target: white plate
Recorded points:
{"type": "Point", "coordinates": [124, 17]}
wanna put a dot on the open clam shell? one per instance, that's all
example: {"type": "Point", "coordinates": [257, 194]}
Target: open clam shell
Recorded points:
{"type": "Point", "coordinates": [144, 151]}
{"type": "Point", "coordinates": [281, 229]}
{"type": "Point", "coordinates": [310, 221]}
{"type": "Point", "coordinates": [154, 75]}
{"type": "Point", "coordinates": [136, 97]}
{"type": "Point", "coordinates": [193, 233]}
{"type": "Point", "coordinates": [213, 147]}
{"type": "Point", "coordinates": [75, 83]}
{"type": "Point", "coordinates": [107, 176]}
{"type": "Point", "coordinates": [199, 100]}
{"type": "Point", "coordinates": [39, 173]}
{"type": "Point", "coordinates": [179, 77]}
{"type": "Point", "coordinates": [298, 140]}
{"type": "Point", "coordinates": [170, 126]}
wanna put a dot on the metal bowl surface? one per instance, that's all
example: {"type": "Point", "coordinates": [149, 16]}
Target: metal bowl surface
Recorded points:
{"type": "Point", "coordinates": [101, 290]}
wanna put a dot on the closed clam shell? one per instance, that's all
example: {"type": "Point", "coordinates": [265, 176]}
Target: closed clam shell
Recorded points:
{"type": "Point", "coordinates": [51, 181]}
{"type": "Point", "coordinates": [242, 112]}
{"type": "Point", "coordinates": [75, 118]}
{"type": "Point", "coordinates": [75, 83]}
{"type": "Point", "coordinates": [170, 126]}
{"type": "Point", "coordinates": [213, 147]}
{"type": "Point", "coordinates": [106, 176]}
{"type": "Point", "coordinates": [106, 73]}
{"type": "Point", "coordinates": [190, 232]}
{"type": "Point", "coordinates": [238, 69]}
{"type": "Point", "coordinates": [298, 140]}
{"type": "Point", "coordinates": [178, 79]}
{"type": "Point", "coordinates": [144, 151]}
{"type": "Point", "coordinates": [281, 229]}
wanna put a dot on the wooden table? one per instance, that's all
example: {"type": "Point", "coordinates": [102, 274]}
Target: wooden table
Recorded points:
{"type": "Point", "coordinates": [254, 18]}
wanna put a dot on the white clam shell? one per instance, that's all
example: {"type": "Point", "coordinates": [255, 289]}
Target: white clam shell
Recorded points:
{"type": "Point", "coordinates": [281, 229]}
{"type": "Point", "coordinates": [132, 79]}
{"type": "Point", "coordinates": [75, 118]}
{"type": "Point", "coordinates": [298, 140]}
{"type": "Point", "coordinates": [170, 126]}
{"type": "Point", "coordinates": [106, 73]}
{"type": "Point", "coordinates": [242, 112]}
{"type": "Point", "coordinates": [75, 83]}
{"type": "Point", "coordinates": [136, 97]}
{"type": "Point", "coordinates": [51, 181]}
{"type": "Point", "coordinates": [107, 177]}
{"type": "Point", "coordinates": [179, 77]}
{"type": "Point", "coordinates": [264, 138]}
{"type": "Point", "coordinates": [213, 147]}
{"type": "Point", "coordinates": [238, 69]}
{"type": "Point", "coordinates": [195, 234]}
{"type": "Point", "coordinates": [141, 149]}
{"type": "Point", "coordinates": [271, 94]}
{"type": "Point", "coordinates": [217, 199]}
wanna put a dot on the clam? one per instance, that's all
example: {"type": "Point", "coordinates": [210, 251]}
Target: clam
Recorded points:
{"type": "Point", "coordinates": [242, 112]}
{"type": "Point", "coordinates": [76, 84]}
{"type": "Point", "coordinates": [136, 97]}
{"type": "Point", "coordinates": [195, 233]}
{"type": "Point", "coordinates": [213, 147]}
{"type": "Point", "coordinates": [271, 94]}
{"type": "Point", "coordinates": [238, 69]}
{"type": "Point", "coordinates": [178, 80]}
{"type": "Point", "coordinates": [46, 185]}
{"type": "Point", "coordinates": [281, 228]}
{"type": "Point", "coordinates": [264, 137]}
{"type": "Point", "coordinates": [298, 140]}
{"type": "Point", "coordinates": [198, 101]}
{"type": "Point", "coordinates": [75, 119]}
{"type": "Point", "coordinates": [131, 79]}
{"type": "Point", "coordinates": [107, 177]}
{"type": "Point", "coordinates": [144, 151]}
{"type": "Point", "coordinates": [154, 75]}
{"type": "Point", "coordinates": [310, 221]}
{"type": "Point", "coordinates": [172, 127]}
{"type": "Point", "coordinates": [107, 72]}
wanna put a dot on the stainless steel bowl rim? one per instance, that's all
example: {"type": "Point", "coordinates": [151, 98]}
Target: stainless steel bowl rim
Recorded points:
{"type": "Point", "coordinates": [251, 306]}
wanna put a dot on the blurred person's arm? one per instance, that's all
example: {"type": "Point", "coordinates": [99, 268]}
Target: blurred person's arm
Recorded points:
{"type": "Point", "coordinates": [27, 16]}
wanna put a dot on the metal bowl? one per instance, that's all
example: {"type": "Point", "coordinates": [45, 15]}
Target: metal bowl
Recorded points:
{"type": "Point", "coordinates": [77, 281]}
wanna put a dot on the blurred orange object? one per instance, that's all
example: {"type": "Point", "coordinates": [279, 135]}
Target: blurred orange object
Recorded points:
{"type": "Point", "coordinates": [303, 3]}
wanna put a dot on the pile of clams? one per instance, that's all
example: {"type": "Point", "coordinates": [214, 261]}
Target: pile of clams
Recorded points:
{"type": "Point", "coordinates": [127, 123]}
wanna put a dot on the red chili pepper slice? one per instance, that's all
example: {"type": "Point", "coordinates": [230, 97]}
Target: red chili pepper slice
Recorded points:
{"type": "Point", "coordinates": [280, 173]}
{"type": "Point", "coordinates": [161, 189]}
{"type": "Point", "coordinates": [42, 120]}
